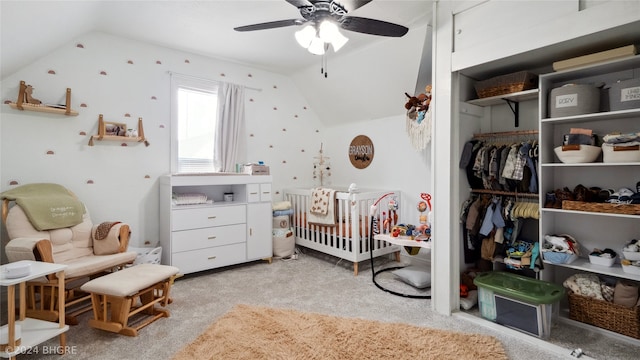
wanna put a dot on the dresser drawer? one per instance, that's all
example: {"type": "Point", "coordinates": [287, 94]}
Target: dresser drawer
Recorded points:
{"type": "Point", "coordinates": [184, 219]}
{"type": "Point", "coordinates": [209, 258]}
{"type": "Point", "coordinates": [186, 240]}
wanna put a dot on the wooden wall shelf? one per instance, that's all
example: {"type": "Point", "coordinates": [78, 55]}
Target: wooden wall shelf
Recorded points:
{"type": "Point", "coordinates": [102, 133]}
{"type": "Point", "coordinates": [23, 103]}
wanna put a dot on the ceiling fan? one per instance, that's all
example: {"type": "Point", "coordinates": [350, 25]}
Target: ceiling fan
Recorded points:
{"type": "Point", "coordinates": [315, 11]}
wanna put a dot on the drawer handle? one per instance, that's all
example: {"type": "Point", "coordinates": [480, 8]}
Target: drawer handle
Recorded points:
{"type": "Point", "coordinates": [253, 193]}
{"type": "Point", "coordinates": [211, 217]}
{"type": "Point", "coordinates": [266, 192]}
{"type": "Point", "coordinates": [211, 237]}
{"type": "Point", "coordinates": [211, 258]}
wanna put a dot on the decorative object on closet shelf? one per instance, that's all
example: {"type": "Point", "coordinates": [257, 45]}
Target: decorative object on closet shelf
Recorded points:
{"type": "Point", "coordinates": [25, 101]}
{"type": "Point", "coordinates": [592, 59]}
{"type": "Point", "coordinates": [577, 154]}
{"type": "Point", "coordinates": [114, 131]}
{"type": "Point", "coordinates": [506, 84]}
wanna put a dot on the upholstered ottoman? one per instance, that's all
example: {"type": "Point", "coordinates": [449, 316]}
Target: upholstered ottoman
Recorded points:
{"type": "Point", "coordinates": [114, 297]}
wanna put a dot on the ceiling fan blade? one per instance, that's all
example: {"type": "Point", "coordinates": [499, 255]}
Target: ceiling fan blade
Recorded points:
{"type": "Point", "coordinates": [270, 25]}
{"type": "Point", "coordinates": [351, 5]}
{"type": "Point", "coordinates": [373, 27]}
{"type": "Point", "coordinates": [299, 3]}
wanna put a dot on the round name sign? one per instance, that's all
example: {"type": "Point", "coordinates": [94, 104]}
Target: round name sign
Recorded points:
{"type": "Point", "coordinates": [361, 151]}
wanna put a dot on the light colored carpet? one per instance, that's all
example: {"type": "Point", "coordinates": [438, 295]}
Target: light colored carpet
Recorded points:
{"type": "Point", "coordinates": [256, 332]}
{"type": "Point", "coordinates": [315, 283]}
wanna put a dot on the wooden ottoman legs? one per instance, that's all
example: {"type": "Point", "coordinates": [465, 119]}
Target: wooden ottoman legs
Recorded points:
{"type": "Point", "coordinates": [116, 318]}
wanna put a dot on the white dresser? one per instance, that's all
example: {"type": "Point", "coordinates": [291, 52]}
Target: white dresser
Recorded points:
{"type": "Point", "coordinates": [206, 236]}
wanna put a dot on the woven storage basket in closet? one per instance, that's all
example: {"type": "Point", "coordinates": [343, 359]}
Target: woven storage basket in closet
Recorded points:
{"type": "Point", "coordinates": [610, 316]}
{"type": "Point", "coordinates": [506, 84]}
{"type": "Point", "coordinates": [627, 209]}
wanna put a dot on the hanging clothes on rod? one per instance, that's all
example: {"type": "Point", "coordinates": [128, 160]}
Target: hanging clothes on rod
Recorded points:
{"type": "Point", "coordinates": [502, 161]}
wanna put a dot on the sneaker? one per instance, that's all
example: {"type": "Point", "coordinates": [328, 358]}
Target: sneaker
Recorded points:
{"type": "Point", "coordinates": [625, 194]}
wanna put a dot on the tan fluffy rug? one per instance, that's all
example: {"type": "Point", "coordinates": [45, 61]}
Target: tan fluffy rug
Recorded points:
{"type": "Point", "coordinates": [251, 332]}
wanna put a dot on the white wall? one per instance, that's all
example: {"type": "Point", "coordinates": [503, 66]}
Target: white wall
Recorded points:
{"type": "Point", "coordinates": [120, 182]}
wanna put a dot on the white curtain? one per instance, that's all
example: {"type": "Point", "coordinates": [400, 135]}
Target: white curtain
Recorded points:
{"type": "Point", "coordinates": [231, 126]}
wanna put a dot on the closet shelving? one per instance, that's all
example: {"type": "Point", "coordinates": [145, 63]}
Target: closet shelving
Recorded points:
{"type": "Point", "coordinates": [513, 100]}
{"type": "Point", "coordinates": [591, 229]}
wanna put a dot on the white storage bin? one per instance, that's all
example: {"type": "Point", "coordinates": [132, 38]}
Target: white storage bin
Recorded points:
{"type": "Point", "coordinates": [631, 269]}
{"type": "Point", "coordinates": [585, 154]}
{"type": "Point", "coordinates": [611, 155]}
{"type": "Point", "coordinates": [147, 255]}
{"type": "Point", "coordinates": [601, 260]}
{"type": "Point", "coordinates": [631, 255]}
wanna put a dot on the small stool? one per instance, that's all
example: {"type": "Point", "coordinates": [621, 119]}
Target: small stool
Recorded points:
{"type": "Point", "coordinates": [119, 291]}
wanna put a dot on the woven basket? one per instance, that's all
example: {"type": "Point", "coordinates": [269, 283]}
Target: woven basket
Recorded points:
{"type": "Point", "coordinates": [610, 316]}
{"type": "Point", "coordinates": [628, 209]}
{"type": "Point", "coordinates": [506, 84]}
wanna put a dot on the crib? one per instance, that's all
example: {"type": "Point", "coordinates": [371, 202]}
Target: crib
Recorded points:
{"type": "Point", "coordinates": [349, 238]}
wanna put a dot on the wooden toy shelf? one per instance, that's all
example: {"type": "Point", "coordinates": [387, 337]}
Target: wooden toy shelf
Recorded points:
{"type": "Point", "coordinates": [24, 98]}
{"type": "Point", "coordinates": [103, 135]}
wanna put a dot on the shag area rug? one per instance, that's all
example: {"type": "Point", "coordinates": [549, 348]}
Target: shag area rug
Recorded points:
{"type": "Point", "coordinates": [254, 332]}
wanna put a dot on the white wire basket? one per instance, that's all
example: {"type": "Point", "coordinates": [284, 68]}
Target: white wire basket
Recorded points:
{"type": "Point", "coordinates": [147, 255]}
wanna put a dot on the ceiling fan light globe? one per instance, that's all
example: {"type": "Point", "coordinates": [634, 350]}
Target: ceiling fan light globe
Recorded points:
{"type": "Point", "coordinates": [305, 36]}
{"type": "Point", "coordinates": [328, 31]}
{"type": "Point", "coordinates": [339, 41]}
{"type": "Point", "coordinates": [317, 46]}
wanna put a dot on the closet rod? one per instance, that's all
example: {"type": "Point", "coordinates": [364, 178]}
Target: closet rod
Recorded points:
{"type": "Point", "coordinates": [506, 193]}
{"type": "Point", "coordinates": [205, 79]}
{"type": "Point", "coordinates": [505, 133]}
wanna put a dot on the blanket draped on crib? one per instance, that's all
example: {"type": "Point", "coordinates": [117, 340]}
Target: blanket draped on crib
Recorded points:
{"type": "Point", "coordinates": [322, 207]}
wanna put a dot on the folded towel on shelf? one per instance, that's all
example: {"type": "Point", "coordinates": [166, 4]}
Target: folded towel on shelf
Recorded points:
{"type": "Point", "coordinates": [322, 210]}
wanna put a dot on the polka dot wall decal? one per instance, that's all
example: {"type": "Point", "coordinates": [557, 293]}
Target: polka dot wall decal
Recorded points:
{"type": "Point", "coordinates": [295, 178]}
{"type": "Point", "coordinates": [154, 98]}
{"type": "Point", "coordinates": [284, 129]}
{"type": "Point", "coordinates": [123, 144]}
{"type": "Point", "coordinates": [317, 130]}
{"type": "Point", "coordinates": [13, 182]}
{"type": "Point", "coordinates": [82, 133]}
{"type": "Point", "coordinates": [295, 116]}
{"type": "Point", "coordinates": [158, 62]}
{"type": "Point", "coordinates": [80, 46]}
{"type": "Point", "coordinates": [8, 101]}
{"type": "Point", "coordinates": [222, 74]}
{"type": "Point", "coordinates": [275, 86]}
{"type": "Point", "coordinates": [50, 152]}
{"type": "Point", "coordinates": [161, 126]}
{"type": "Point", "coordinates": [277, 192]}
{"type": "Point", "coordinates": [52, 72]}
{"type": "Point", "coordinates": [251, 135]}
{"type": "Point", "coordinates": [249, 75]}
{"type": "Point", "coordinates": [270, 146]}
{"type": "Point", "coordinates": [83, 105]}
{"type": "Point", "coordinates": [302, 150]}
{"type": "Point", "coordinates": [251, 100]}
{"type": "Point", "coordinates": [304, 107]}
{"type": "Point", "coordinates": [130, 62]}
{"type": "Point", "coordinates": [127, 115]}
{"type": "Point", "coordinates": [90, 182]}
{"type": "Point", "coordinates": [147, 177]}
{"type": "Point", "coordinates": [186, 61]}
{"type": "Point", "coordinates": [103, 72]}
{"type": "Point", "coordinates": [275, 108]}
{"type": "Point", "coordinates": [284, 161]}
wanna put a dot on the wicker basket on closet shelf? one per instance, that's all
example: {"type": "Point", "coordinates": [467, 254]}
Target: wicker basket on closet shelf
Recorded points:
{"type": "Point", "coordinates": [506, 84]}
{"type": "Point", "coordinates": [627, 209]}
{"type": "Point", "coordinates": [606, 315]}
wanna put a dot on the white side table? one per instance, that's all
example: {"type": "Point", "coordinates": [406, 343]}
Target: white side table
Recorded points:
{"type": "Point", "coordinates": [34, 331]}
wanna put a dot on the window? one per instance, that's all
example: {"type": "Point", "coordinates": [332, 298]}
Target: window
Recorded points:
{"type": "Point", "coordinates": [193, 119]}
